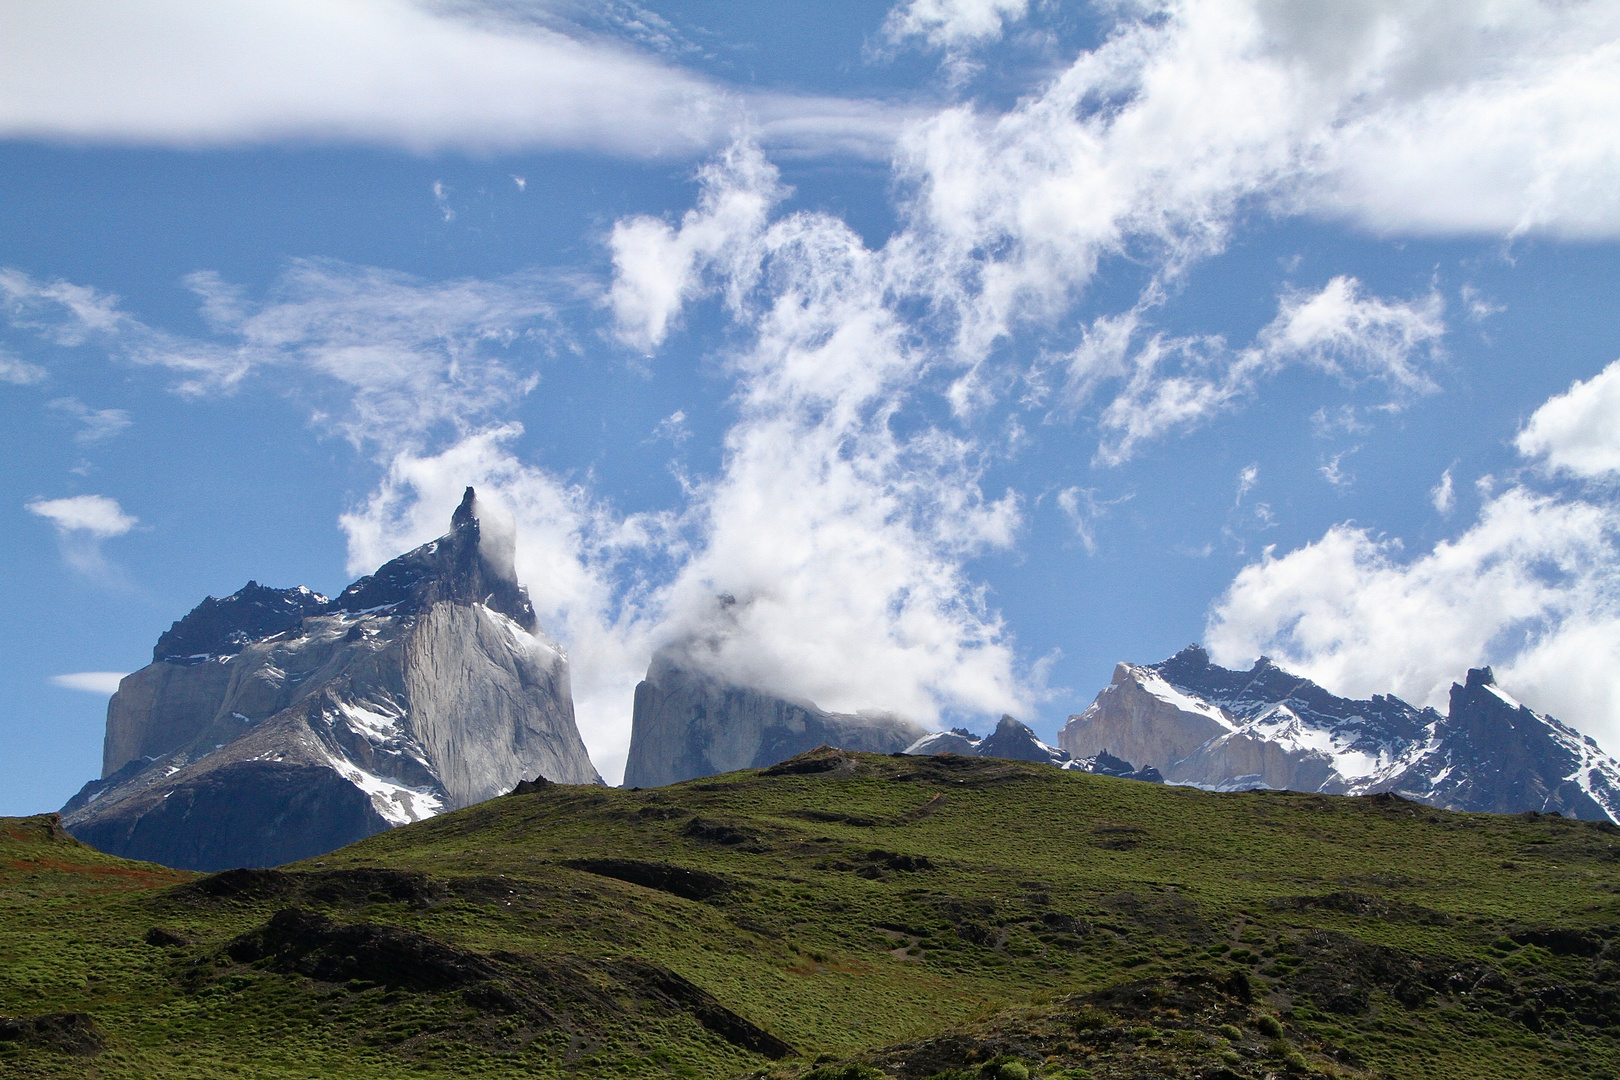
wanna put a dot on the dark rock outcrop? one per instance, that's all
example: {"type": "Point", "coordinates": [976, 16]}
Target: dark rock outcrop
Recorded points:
{"type": "Point", "coordinates": [275, 725]}
{"type": "Point", "coordinates": [65, 1033]}
{"type": "Point", "coordinates": [221, 627]}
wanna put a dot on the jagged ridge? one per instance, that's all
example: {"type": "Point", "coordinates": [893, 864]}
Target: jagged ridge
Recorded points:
{"type": "Point", "coordinates": [1212, 727]}
{"type": "Point", "coordinates": [1016, 741]}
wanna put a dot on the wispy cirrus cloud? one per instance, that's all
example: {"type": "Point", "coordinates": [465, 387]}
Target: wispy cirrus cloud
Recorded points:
{"type": "Point", "coordinates": [104, 683]}
{"type": "Point", "coordinates": [20, 372]}
{"type": "Point", "coordinates": [383, 359]}
{"type": "Point", "coordinates": [1177, 383]}
{"type": "Point", "coordinates": [95, 425]}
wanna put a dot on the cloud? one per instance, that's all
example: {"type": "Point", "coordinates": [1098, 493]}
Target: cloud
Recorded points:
{"type": "Point", "coordinates": [1443, 496]}
{"type": "Point", "coordinates": [1177, 383]}
{"type": "Point", "coordinates": [420, 76]}
{"type": "Point", "coordinates": [389, 361]}
{"type": "Point", "coordinates": [1532, 587]}
{"type": "Point", "coordinates": [952, 24]}
{"type": "Point", "coordinates": [94, 682]}
{"type": "Point", "coordinates": [1578, 432]}
{"type": "Point", "coordinates": [1495, 118]}
{"type": "Point", "coordinates": [1247, 478]}
{"type": "Point", "coordinates": [1533, 578]}
{"type": "Point", "coordinates": [441, 199]}
{"type": "Point", "coordinates": [19, 372]}
{"type": "Point", "coordinates": [1333, 472]}
{"type": "Point", "coordinates": [97, 425]}
{"type": "Point", "coordinates": [1192, 111]}
{"type": "Point", "coordinates": [94, 515]}
{"type": "Point", "coordinates": [673, 428]}
{"type": "Point", "coordinates": [839, 541]}
{"type": "Point", "coordinates": [1083, 509]}
{"type": "Point", "coordinates": [82, 523]}
{"type": "Point", "coordinates": [955, 27]}
{"type": "Point", "coordinates": [658, 269]}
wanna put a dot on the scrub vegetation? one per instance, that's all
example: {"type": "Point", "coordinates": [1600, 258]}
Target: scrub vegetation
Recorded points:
{"type": "Point", "coordinates": [838, 917]}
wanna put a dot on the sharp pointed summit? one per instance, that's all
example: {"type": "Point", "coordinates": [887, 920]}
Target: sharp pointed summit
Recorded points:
{"type": "Point", "coordinates": [275, 724]}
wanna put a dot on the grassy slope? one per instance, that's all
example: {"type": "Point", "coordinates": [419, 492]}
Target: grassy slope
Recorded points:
{"type": "Point", "coordinates": [1000, 896]}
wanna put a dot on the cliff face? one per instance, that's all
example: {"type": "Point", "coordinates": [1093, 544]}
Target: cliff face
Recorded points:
{"type": "Point", "coordinates": [1208, 726]}
{"type": "Point", "coordinates": [275, 724]}
{"type": "Point", "coordinates": [688, 724]}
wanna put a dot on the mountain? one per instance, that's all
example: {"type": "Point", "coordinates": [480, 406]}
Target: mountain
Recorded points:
{"type": "Point", "coordinates": [1016, 741]}
{"type": "Point", "coordinates": [275, 724]}
{"type": "Point", "coordinates": [1208, 726]}
{"type": "Point", "coordinates": [688, 724]}
{"type": "Point", "coordinates": [838, 916]}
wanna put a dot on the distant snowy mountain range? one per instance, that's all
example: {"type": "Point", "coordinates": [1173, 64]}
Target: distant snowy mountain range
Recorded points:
{"type": "Point", "coordinates": [276, 724]}
{"type": "Point", "coordinates": [1207, 726]}
{"type": "Point", "coordinates": [1017, 741]}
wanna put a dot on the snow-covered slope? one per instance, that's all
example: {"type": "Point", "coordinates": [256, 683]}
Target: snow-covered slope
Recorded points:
{"type": "Point", "coordinates": [275, 724]}
{"type": "Point", "coordinates": [1208, 726]}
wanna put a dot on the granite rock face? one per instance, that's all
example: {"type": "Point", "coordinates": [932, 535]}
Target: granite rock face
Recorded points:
{"type": "Point", "coordinates": [1207, 726]}
{"type": "Point", "coordinates": [276, 724]}
{"type": "Point", "coordinates": [689, 724]}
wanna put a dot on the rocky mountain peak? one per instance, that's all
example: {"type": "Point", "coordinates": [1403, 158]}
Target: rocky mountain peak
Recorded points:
{"type": "Point", "coordinates": [1193, 656]}
{"type": "Point", "coordinates": [467, 565]}
{"type": "Point", "coordinates": [222, 627]}
{"type": "Point", "coordinates": [464, 514]}
{"type": "Point", "coordinates": [274, 724]}
{"type": "Point", "coordinates": [1208, 726]}
{"type": "Point", "coordinates": [1014, 739]}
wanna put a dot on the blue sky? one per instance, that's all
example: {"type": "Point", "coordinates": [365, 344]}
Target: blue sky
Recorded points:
{"type": "Point", "coordinates": [971, 345]}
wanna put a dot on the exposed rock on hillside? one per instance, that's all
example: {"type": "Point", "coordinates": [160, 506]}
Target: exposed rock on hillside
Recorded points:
{"type": "Point", "coordinates": [1207, 726]}
{"type": "Point", "coordinates": [689, 724]}
{"type": "Point", "coordinates": [275, 724]}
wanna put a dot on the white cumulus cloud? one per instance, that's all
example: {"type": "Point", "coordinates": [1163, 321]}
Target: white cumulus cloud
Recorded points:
{"type": "Point", "coordinates": [94, 515]}
{"type": "Point", "coordinates": [82, 523]}
{"type": "Point", "coordinates": [1532, 587]}
{"type": "Point", "coordinates": [1578, 431]}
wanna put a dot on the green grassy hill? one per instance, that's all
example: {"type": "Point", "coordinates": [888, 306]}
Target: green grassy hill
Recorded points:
{"type": "Point", "coordinates": [836, 917]}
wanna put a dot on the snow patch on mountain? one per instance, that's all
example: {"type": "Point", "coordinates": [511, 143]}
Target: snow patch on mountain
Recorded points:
{"type": "Point", "coordinates": [1206, 726]}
